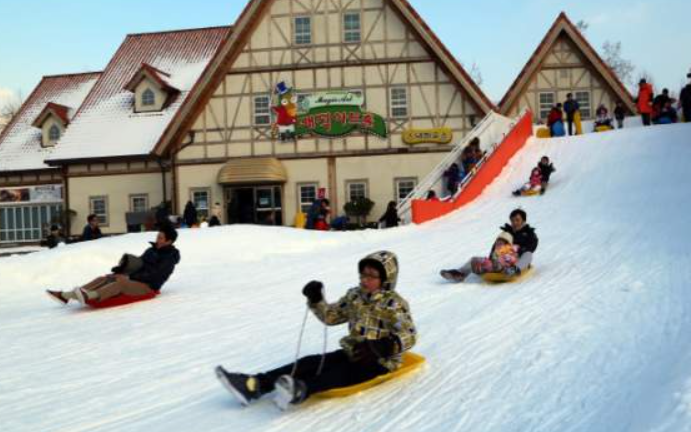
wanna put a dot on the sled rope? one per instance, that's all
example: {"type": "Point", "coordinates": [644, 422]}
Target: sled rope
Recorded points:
{"type": "Point", "coordinates": [299, 347]}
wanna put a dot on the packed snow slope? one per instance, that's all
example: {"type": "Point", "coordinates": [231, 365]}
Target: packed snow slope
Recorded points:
{"type": "Point", "coordinates": [596, 340]}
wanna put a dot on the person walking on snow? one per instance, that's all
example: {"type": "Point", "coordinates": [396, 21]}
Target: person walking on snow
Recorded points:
{"type": "Point", "coordinates": [620, 114]}
{"type": "Point", "coordinates": [645, 101]}
{"type": "Point", "coordinates": [380, 326]}
{"type": "Point", "coordinates": [571, 107]}
{"type": "Point", "coordinates": [135, 276]}
{"type": "Point", "coordinates": [685, 100]}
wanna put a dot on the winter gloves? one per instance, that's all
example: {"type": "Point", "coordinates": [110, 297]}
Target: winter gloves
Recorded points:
{"type": "Point", "coordinates": [370, 351]}
{"type": "Point", "coordinates": [314, 291]}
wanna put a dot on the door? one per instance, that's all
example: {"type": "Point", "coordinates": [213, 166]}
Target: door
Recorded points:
{"type": "Point", "coordinates": [269, 209]}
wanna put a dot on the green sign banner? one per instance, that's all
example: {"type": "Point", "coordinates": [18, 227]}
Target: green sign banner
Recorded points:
{"type": "Point", "coordinates": [338, 121]}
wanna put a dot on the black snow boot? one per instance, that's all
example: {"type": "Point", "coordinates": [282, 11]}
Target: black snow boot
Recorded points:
{"type": "Point", "coordinates": [453, 275]}
{"type": "Point", "coordinates": [57, 296]}
{"type": "Point", "coordinates": [244, 387]}
{"type": "Point", "coordinates": [289, 391]}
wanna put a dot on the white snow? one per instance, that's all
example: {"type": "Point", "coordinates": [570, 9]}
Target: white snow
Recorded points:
{"type": "Point", "coordinates": [21, 147]}
{"type": "Point", "coordinates": [596, 340]}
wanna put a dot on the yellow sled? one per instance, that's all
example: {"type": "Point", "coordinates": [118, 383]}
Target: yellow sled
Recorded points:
{"type": "Point", "coordinates": [411, 361]}
{"type": "Point", "coordinates": [530, 193]}
{"type": "Point", "coordinates": [578, 123]}
{"type": "Point", "coordinates": [499, 278]}
{"type": "Point", "coordinates": [603, 128]}
{"type": "Point", "coordinates": [543, 132]}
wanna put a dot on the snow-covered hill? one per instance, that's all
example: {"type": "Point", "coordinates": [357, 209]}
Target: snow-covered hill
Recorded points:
{"type": "Point", "coordinates": [595, 341]}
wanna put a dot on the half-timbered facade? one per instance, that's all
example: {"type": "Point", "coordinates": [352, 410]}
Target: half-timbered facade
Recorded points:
{"type": "Point", "coordinates": [565, 63]}
{"type": "Point", "coordinates": [378, 52]}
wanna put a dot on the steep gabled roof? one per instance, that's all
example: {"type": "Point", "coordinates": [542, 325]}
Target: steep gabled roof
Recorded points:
{"type": "Point", "coordinates": [158, 76]}
{"type": "Point", "coordinates": [245, 25]}
{"type": "Point", "coordinates": [564, 26]}
{"type": "Point", "coordinates": [59, 111]}
{"type": "Point", "coordinates": [20, 141]}
{"type": "Point", "coordinates": [106, 124]}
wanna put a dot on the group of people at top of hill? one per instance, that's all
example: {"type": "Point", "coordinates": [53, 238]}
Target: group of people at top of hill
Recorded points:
{"type": "Point", "coordinates": [571, 107]}
{"type": "Point", "coordinates": [661, 109]}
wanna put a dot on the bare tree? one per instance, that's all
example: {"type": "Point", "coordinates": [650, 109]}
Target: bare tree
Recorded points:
{"type": "Point", "coordinates": [582, 26]}
{"type": "Point", "coordinates": [647, 76]}
{"type": "Point", "coordinates": [11, 108]}
{"type": "Point", "coordinates": [475, 73]}
{"type": "Point", "coordinates": [622, 67]}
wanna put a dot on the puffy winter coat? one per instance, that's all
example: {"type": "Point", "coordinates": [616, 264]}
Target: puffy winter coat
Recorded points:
{"type": "Point", "coordinates": [157, 266]}
{"type": "Point", "coordinates": [685, 98]}
{"type": "Point", "coordinates": [536, 178]}
{"type": "Point", "coordinates": [525, 238]}
{"type": "Point", "coordinates": [90, 233]}
{"type": "Point", "coordinates": [373, 316]}
{"type": "Point", "coordinates": [546, 170]}
{"type": "Point", "coordinates": [555, 116]}
{"type": "Point", "coordinates": [570, 108]}
{"type": "Point", "coordinates": [645, 99]}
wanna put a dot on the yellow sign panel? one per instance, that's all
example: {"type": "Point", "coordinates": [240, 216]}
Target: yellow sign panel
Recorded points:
{"type": "Point", "coordinates": [442, 135]}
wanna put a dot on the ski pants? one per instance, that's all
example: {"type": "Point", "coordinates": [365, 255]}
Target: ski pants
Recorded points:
{"type": "Point", "coordinates": [108, 287]}
{"type": "Point", "coordinates": [646, 119]}
{"type": "Point", "coordinates": [338, 371]}
{"type": "Point", "coordinates": [570, 120]}
{"type": "Point", "coordinates": [687, 115]}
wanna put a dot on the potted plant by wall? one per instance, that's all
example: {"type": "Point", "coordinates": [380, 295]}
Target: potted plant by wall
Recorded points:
{"type": "Point", "coordinates": [359, 209]}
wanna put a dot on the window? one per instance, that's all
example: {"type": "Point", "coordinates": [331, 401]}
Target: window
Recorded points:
{"type": "Point", "coordinates": [148, 98]}
{"type": "Point", "coordinates": [546, 104]}
{"type": "Point", "coordinates": [262, 110]}
{"type": "Point", "coordinates": [356, 189]}
{"type": "Point", "coordinates": [201, 199]}
{"type": "Point", "coordinates": [583, 99]}
{"type": "Point", "coordinates": [98, 205]}
{"type": "Point", "coordinates": [404, 187]}
{"type": "Point", "coordinates": [399, 102]}
{"type": "Point", "coordinates": [139, 203]}
{"type": "Point", "coordinates": [54, 133]}
{"type": "Point", "coordinates": [307, 194]}
{"type": "Point", "coordinates": [303, 31]}
{"type": "Point", "coordinates": [27, 224]}
{"type": "Point", "coordinates": [351, 28]}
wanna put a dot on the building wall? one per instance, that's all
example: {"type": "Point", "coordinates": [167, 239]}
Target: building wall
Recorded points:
{"type": "Point", "coordinates": [388, 56]}
{"type": "Point", "coordinates": [565, 70]}
{"type": "Point", "coordinates": [117, 189]}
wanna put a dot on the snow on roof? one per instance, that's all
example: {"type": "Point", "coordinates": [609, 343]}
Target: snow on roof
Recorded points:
{"type": "Point", "coordinates": [106, 124]}
{"type": "Point", "coordinates": [20, 141]}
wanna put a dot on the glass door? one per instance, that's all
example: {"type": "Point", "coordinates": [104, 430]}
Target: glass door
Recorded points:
{"type": "Point", "coordinates": [269, 208]}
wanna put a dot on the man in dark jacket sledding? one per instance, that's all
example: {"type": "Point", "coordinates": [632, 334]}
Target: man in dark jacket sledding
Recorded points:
{"type": "Point", "coordinates": [524, 238]}
{"type": "Point", "coordinates": [381, 330]}
{"type": "Point", "coordinates": [135, 276]}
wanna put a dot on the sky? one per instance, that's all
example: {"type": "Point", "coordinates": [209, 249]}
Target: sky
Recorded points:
{"type": "Point", "coordinates": [39, 37]}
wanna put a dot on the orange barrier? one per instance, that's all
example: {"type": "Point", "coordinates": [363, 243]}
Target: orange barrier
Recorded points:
{"type": "Point", "coordinates": [424, 211]}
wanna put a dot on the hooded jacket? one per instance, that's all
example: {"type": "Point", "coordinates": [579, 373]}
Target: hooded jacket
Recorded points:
{"type": "Point", "coordinates": [373, 316]}
{"type": "Point", "coordinates": [157, 266]}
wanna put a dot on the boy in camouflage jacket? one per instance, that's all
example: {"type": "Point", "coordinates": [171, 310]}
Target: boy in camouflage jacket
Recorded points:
{"type": "Point", "coordinates": [380, 327]}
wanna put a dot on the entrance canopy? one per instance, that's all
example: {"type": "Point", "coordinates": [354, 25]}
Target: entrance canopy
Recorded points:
{"type": "Point", "coordinates": [252, 171]}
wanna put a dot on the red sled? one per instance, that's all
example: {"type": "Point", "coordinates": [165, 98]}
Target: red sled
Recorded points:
{"type": "Point", "coordinates": [121, 300]}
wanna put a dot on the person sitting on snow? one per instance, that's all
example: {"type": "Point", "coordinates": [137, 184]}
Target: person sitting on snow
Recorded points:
{"type": "Point", "coordinates": [135, 276]}
{"type": "Point", "coordinates": [380, 326]}
{"type": "Point", "coordinates": [504, 256]}
{"type": "Point", "coordinates": [524, 238]}
{"type": "Point", "coordinates": [602, 118]}
{"type": "Point", "coordinates": [533, 185]}
{"type": "Point", "coordinates": [546, 169]}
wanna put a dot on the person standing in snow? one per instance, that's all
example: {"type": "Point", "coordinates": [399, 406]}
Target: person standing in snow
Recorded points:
{"type": "Point", "coordinates": [91, 231]}
{"type": "Point", "coordinates": [555, 118]}
{"type": "Point", "coordinates": [644, 101]}
{"type": "Point", "coordinates": [190, 215]}
{"type": "Point", "coordinates": [685, 100]}
{"type": "Point", "coordinates": [620, 115]}
{"type": "Point", "coordinates": [571, 107]}
{"type": "Point", "coordinates": [390, 219]}
{"type": "Point", "coordinates": [321, 222]}
{"type": "Point", "coordinates": [216, 213]}
{"type": "Point", "coordinates": [380, 326]}
{"type": "Point", "coordinates": [134, 276]}
{"type": "Point", "coordinates": [525, 240]}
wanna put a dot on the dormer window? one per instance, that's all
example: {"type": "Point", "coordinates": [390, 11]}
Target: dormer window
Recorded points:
{"type": "Point", "coordinates": [152, 88]}
{"type": "Point", "coordinates": [52, 121]}
{"type": "Point", "coordinates": [54, 133]}
{"type": "Point", "coordinates": [148, 98]}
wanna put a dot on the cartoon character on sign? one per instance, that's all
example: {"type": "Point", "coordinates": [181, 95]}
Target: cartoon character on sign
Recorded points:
{"type": "Point", "coordinates": [286, 112]}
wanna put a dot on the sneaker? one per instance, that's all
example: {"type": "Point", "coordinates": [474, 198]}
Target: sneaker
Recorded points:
{"type": "Point", "coordinates": [244, 387]}
{"type": "Point", "coordinates": [289, 392]}
{"type": "Point", "coordinates": [81, 296]}
{"type": "Point", "coordinates": [57, 296]}
{"type": "Point", "coordinates": [453, 275]}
